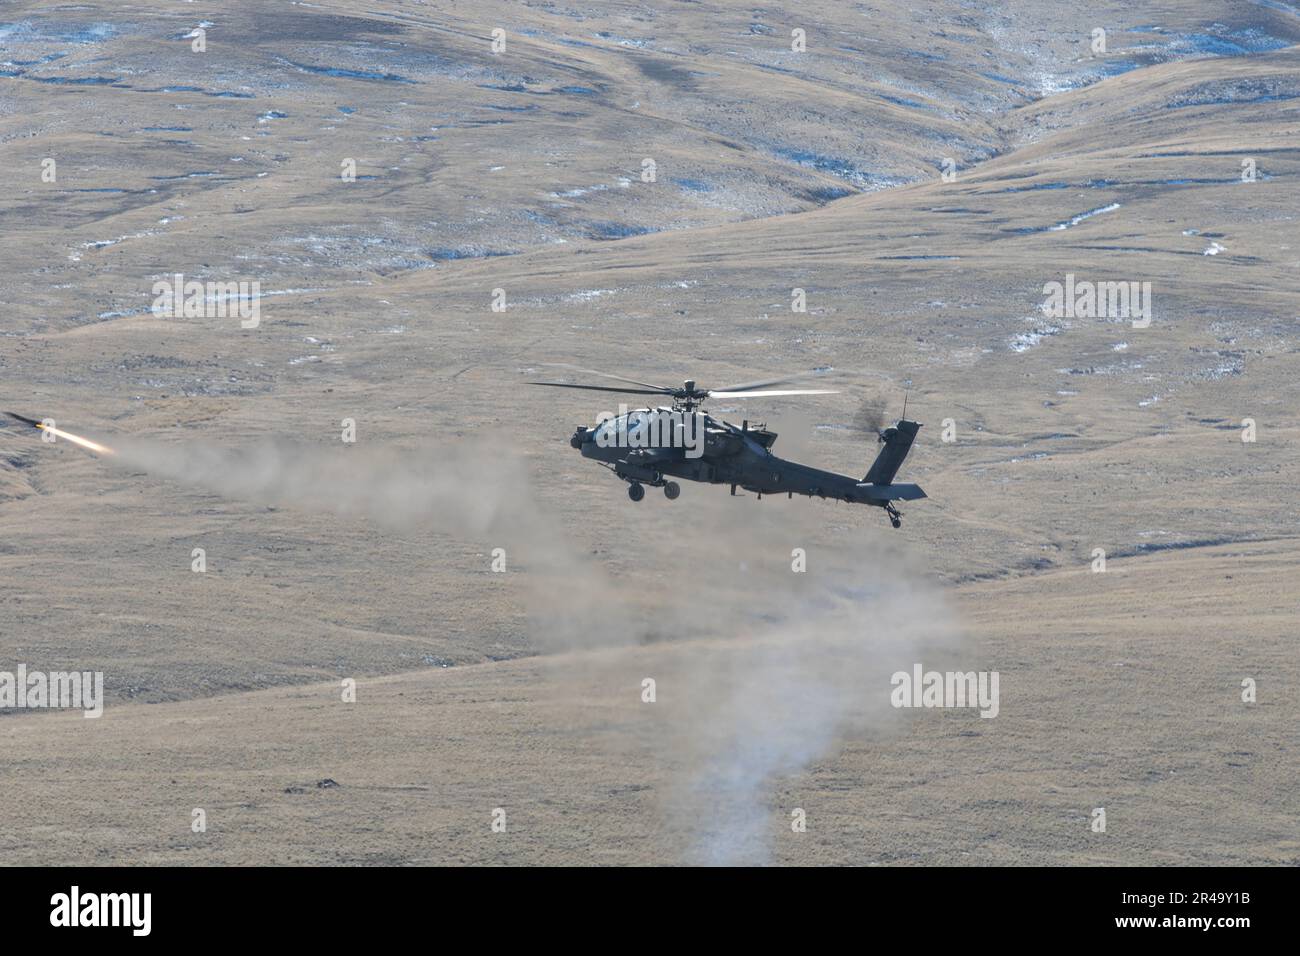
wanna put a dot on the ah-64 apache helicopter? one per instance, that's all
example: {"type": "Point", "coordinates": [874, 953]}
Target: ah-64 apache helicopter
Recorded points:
{"type": "Point", "coordinates": [651, 446]}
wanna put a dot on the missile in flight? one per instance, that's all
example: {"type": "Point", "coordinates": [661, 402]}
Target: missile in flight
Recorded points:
{"type": "Point", "coordinates": [50, 429]}
{"type": "Point", "coordinates": [23, 418]}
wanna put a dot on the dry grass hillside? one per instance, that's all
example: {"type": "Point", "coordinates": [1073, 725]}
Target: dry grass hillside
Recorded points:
{"type": "Point", "coordinates": [1170, 158]}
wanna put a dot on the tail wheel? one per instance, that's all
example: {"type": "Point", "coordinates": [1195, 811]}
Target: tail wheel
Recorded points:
{"type": "Point", "coordinates": [672, 490]}
{"type": "Point", "coordinates": [895, 522]}
{"type": "Point", "coordinates": [636, 491]}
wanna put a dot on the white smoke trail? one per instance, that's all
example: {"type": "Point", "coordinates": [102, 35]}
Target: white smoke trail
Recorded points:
{"type": "Point", "coordinates": [459, 489]}
{"type": "Point", "coordinates": [472, 490]}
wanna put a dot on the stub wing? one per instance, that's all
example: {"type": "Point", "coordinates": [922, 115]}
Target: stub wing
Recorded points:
{"type": "Point", "coordinates": [892, 492]}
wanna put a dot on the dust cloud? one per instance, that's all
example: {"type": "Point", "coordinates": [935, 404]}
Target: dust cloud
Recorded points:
{"type": "Point", "coordinates": [763, 670]}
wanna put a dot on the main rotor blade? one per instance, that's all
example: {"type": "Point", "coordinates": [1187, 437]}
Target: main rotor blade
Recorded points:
{"type": "Point", "coordinates": [617, 378]}
{"type": "Point", "coordinates": [777, 393]}
{"type": "Point", "coordinates": [764, 383]}
{"type": "Point", "coordinates": [600, 388]}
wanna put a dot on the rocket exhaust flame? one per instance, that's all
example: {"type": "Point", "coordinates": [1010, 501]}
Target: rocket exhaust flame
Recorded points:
{"type": "Point", "coordinates": [78, 440]}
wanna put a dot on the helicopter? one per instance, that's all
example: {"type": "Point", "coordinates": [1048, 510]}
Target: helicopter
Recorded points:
{"type": "Point", "coordinates": [654, 445]}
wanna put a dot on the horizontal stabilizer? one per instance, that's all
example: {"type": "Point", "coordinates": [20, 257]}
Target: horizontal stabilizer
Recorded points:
{"type": "Point", "coordinates": [899, 492]}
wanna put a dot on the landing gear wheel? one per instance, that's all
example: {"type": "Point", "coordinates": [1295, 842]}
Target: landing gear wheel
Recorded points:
{"type": "Point", "coordinates": [635, 491]}
{"type": "Point", "coordinates": [895, 516]}
{"type": "Point", "coordinates": [895, 522]}
{"type": "Point", "coordinates": [672, 490]}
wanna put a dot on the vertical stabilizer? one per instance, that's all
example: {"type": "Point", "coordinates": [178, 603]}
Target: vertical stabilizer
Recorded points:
{"type": "Point", "coordinates": [897, 440]}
